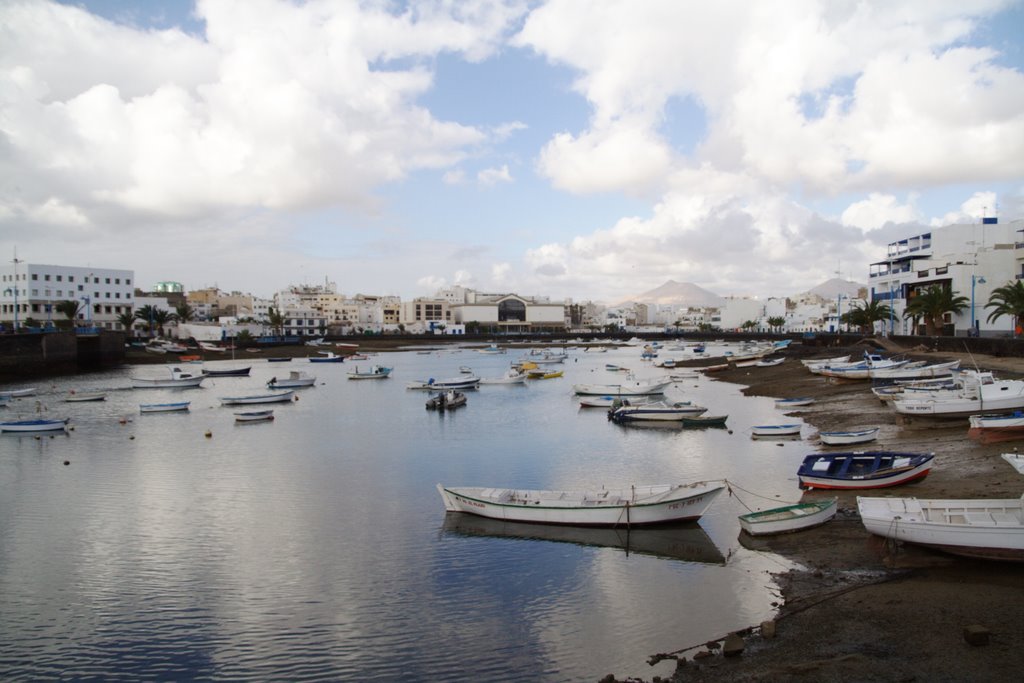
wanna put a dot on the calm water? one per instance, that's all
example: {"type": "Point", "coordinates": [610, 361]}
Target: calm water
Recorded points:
{"type": "Point", "coordinates": [317, 547]}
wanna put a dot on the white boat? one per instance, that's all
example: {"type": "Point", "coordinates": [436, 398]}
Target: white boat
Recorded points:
{"type": "Point", "coordinates": [164, 407]}
{"type": "Point", "coordinates": [633, 388]}
{"type": "Point", "coordinates": [446, 400]}
{"type": "Point", "coordinates": [793, 402]}
{"type": "Point", "coordinates": [34, 425]}
{"type": "Point", "coordinates": [1016, 461]}
{"type": "Point", "coordinates": [174, 379]}
{"type": "Point", "coordinates": [254, 416]}
{"type": "Point", "coordinates": [17, 393]}
{"type": "Point", "coordinates": [375, 372]}
{"type": "Point", "coordinates": [277, 397]}
{"type": "Point", "coordinates": [987, 528]}
{"type": "Point", "coordinates": [916, 372]}
{"type": "Point", "coordinates": [624, 507]}
{"type": "Point", "coordinates": [823, 362]}
{"type": "Point", "coordinates": [978, 393]}
{"type": "Point", "coordinates": [769, 362]}
{"type": "Point", "coordinates": [655, 411]}
{"type": "Point", "coordinates": [789, 518]}
{"type": "Point", "coordinates": [296, 379]}
{"type": "Point", "coordinates": [469, 382]}
{"type": "Point", "coordinates": [208, 346]}
{"type": "Point", "coordinates": [996, 428]}
{"type": "Point", "coordinates": [491, 349]}
{"type": "Point", "coordinates": [608, 401]}
{"type": "Point", "coordinates": [792, 429]}
{"type": "Point", "coordinates": [860, 370]}
{"type": "Point", "coordinates": [849, 437]}
{"type": "Point", "coordinates": [85, 396]}
{"type": "Point", "coordinates": [862, 469]}
{"type": "Point", "coordinates": [511, 376]}
{"type": "Point", "coordinates": [326, 357]}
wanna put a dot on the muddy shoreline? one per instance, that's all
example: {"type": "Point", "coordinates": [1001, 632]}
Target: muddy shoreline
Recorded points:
{"type": "Point", "coordinates": [862, 609]}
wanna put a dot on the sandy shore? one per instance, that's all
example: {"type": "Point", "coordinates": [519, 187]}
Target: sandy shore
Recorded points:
{"type": "Point", "coordinates": [863, 610]}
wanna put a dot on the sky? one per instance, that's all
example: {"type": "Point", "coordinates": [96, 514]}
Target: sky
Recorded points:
{"type": "Point", "coordinates": [572, 148]}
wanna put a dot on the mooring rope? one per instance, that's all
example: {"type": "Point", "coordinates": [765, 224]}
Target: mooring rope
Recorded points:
{"type": "Point", "coordinates": [731, 485]}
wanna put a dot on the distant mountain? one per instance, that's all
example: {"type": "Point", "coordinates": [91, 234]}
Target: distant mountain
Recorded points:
{"type": "Point", "coordinates": [830, 289]}
{"type": "Point", "coordinates": [678, 294]}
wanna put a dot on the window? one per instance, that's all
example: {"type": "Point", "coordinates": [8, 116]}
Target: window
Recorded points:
{"type": "Point", "coordinates": [60, 278]}
{"type": "Point", "coordinates": [47, 277]}
{"type": "Point", "coordinates": [117, 280]}
{"type": "Point", "coordinates": [80, 288]}
{"type": "Point", "coordinates": [108, 280]}
{"type": "Point", "coordinates": [35, 276]}
{"type": "Point", "coordinates": [71, 278]}
{"type": "Point", "coordinates": [127, 282]}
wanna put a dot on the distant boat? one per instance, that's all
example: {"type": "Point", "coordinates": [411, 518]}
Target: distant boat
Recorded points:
{"type": "Point", "coordinates": [469, 382]}
{"type": "Point", "coordinates": [776, 430]}
{"type": "Point", "coordinates": [848, 437]}
{"type": "Point", "coordinates": [163, 407]}
{"type": "Point", "coordinates": [782, 520]}
{"type": "Point", "coordinates": [511, 376]}
{"type": "Point", "coordinates": [279, 359]}
{"type": "Point", "coordinates": [34, 425]}
{"type": "Point", "coordinates": [227, 372]}
{"type": "Point", "coordinates": [705, 420]}
{"type": "Point", "coordinates": [295, 380]}
{"type": "Point", "coordinates": [327, 357]}
{"type": "Point", "coordinates": [542, 374]}
{"type": "Point", "coordinates": [85, 396]}
{"type": "Point", "coordinates": [617, 507]}
{"type": "Point", "coordinates": [863, 469]}
{"type": "Point", "coordinates": [254, 416]}
{"type": "Point", "coordinates": [175, 379]}
{"type": "Point", "coordinates": [278, 397]}
{"type": "Point", "coordinates": [632, 388]}
{"type": "Point", "coordinates": [17, 393]}
{"type": "Point", "coordinates": [608, 401]}
{"type": "Point", "coordinates": [793, 402]}
{"type": "Point", "coordinates": [375, 372]}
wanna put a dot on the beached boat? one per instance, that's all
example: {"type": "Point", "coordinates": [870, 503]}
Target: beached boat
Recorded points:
{"type": "Point", "coordinates": [254, 416]}
{"type": "Point", "coordinates": [655, 411]}
{"type": "Point", "coordinates": [327, 357]}
{"type": "Point", "coordinates": [1016, 461]}
{"type": "Point", "coordinates": [468, 382]}
{"type": "Point", "coordinates": [622, 507]}
{"type": "Point", "coordinates": [913, 371]}
{"type": "Point", "coordinates": [783, 520]}
{"type": "Point", "coordinates": [847, 438]}
{"type": "Point", "coordinates": [769, 362]}
{"type": "Point", "coordinates": [986, 528]}
{"type": "Point", "coordinates": [24, 426]}
{"type": "Point", "coordinates": [164, 407]}
{"type": "Point", "coordinates": [632, 388]}
{"type": "Point", "coordinates": [511, 376]}
{"type": "Point", "coordinates": [705, 420]}
{"type": "Point", "coordinates": [996, 428]}
{"type": "Point", "coordinates": [17, 393]}
{"type": "Point", "coordinates": [210, 346]}
{"type": "Point", "coordinates": [793, 402]}
{"type": "Point", "coordinates": [85, 396]}
{"type": "Point", "coordinates": [446, 400]}
{"type": "Point", "coordinates": [977, 393]}
{"type": "Point", "coordinates": [375, 372]}
{"type": "Point", "coordinates": [226, 372]}
{"type": "Point", "coordinates": [276, 397]}
{"type": "Point", "coordinates": [791, 429]}
{"type": "Point", "coordinates": [863, 469]}
{"type": "Point", "coordinates": [296, 379]}
{"type": "Point", "coordinates": [822, 362]}
{"type": "Point", "coordinates": [175, 379]}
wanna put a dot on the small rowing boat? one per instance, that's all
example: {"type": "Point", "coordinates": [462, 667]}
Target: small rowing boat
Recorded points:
{"type": "Point", "coordinates": [790, 518]}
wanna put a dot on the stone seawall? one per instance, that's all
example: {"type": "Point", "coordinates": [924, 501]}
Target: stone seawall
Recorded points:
{"type": "Point", "coordinates": [23, 356]}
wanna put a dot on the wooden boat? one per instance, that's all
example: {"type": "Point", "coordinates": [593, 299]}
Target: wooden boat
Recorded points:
{"type": "Point", "coordinates": [209, 346]}
{"type": "Point", "coordinates": [718, 367]}
{"type": "Point", "coordinates": [769, 362]}
{"type": "Point", "coordinates": [705, 420]}
{"type": "Point", "coordinates": [655, 411]}
{"type": "Point", "coordinates": [783, 520]}
{"type": "Point", "coordinates": [1016, 461]}
{"type": "Point", "coordinates": [814, 362]}
{"type": "Point", "coordinates": [441, 384]}
{"type": "Point", "coordinates": [358, 356]}
{"type": "Point", "coordinates": [685, 541]}
{"type": "Point", "coordinates": [912, 371]}
{"type": "Point", "coordinates": [849, 437]}
{"type": "Point", "coordinates": [163, 407]}
{"type": "Point", "coordinates": [792, 429]}
{"type": "Point", "coordinates": [176, 379]}
{"type": "Point", "coordinates": [616, 507]}
{"type": "Point", "coordinates": [996, 428]}
{"type": "Point", "coordinates": [863, 469]}
{"type": "Point", "coordinates": [279, 359]}
{"type": "Point", "coordinates": [85, 396]}
{"type": "Point", "coordinates": [634, 388]}
{"type": "Point", "coordinates": [327, 357]}
{"type": "Point", "coordinates": [542, 374]}
{"type": "Point", "coordinates": [17, 393]}
{"type": "Point", "coordinates": [446, 400]}
{"type": "Point", "coordinates": [227, 372]}
{"type": "Point", "coordinates": [376, 372]}
{"type": "Point", "coordinates": [278, 397]}
{"type": "Point", "coordinates": [986, 528]}
{"type": "Point", "coordinates": [793, 402]}
{"type": "Point", "coordinates": [254, 416]}
{"type": "Point", "coordinates": [979, 393]}
{"type": "Point", "coordinates": [23, 426]}
{"type": "Point", "coordinates": [511, 376]}
{"type": "Point", "coordinates": [296, 379]}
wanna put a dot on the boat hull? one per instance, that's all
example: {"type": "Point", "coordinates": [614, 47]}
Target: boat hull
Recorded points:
{"type": "Point", "coordinates": [163, 407]}
{"type": "Point", "coordinates": [255, 416]}
{"type": "Point", "coordinates": [26, 426]}
{"type": "Point", "coordinates": [862, 470]}
{"type": "Point", "coordinates": [848, 438]}
{"type": "Point", "coordinates": [677, 504]}
{"type": "Point", "coordinates": [784, 520]}
{"type": "Point", "coordinates": [628, 389]}
{"type": "Point", "coordinates": [281, 397]}
{"type": "Point", "coordinates": [776, 430]}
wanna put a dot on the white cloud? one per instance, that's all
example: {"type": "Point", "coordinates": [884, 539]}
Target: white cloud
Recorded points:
{"type": "Point", "coordinates": [877, 210]}
{"type": "Point", "coordinates": [979, 205]}
{"type": "Point", "coordinates": [493, 176]}
{"type": "Point", "coordinates": [454, 177]}
{"type": "Point", "coordinates": [431, 283]}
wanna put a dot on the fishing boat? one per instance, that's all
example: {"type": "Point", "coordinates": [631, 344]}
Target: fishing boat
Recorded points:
{"type": "Point", "coordinates": [17, 393]}
{"type": "Point", "coordinates": [913, 371]}
{"type": "Point", "coordinates": [255, 416]}
{"type": "Point", "coordinates": [789, 518]}
{"type": "Point", "coordinates": [543, 374]}
{"type": "Point", "coordinates": [793, 402]}
{"type": "Point", "coordinates": [511, 376]}
{"type": "Point", "coordinates": [164, 407]}
{"type": "Point", "coordinates": [822, 362]}
{"type": "Point", "coordinates": [1016, 461]}
{"type": "Point", "coordinates": [986, 528]}
{"type": "Point", "coordinates": [279, 359]}
{"type": "Point", "coordinates": [277, 397]}
{"type": "Point", "coordinates": [491, 349]}
{"type": "Point", "coordinates": [23, 426]}
{"type": "Point", "coordinates": [85, 396]}
{"type": "Point", "coordinates": [468, 382]}
{"type": "Point", "coordinates": [863, 469]}
{"type": "Point", "coordinates": [446, 400]}
{"type": "Point", "coordinates": [704, 420]}
{"type": "Point", "coordinates": [995, 428]}
{"type": "Point", "coordinates": [623, 507]}
{"type": "Point", "coordinates": [227, 372]}
{"type": "Point", "coordinates": [846, 438]}
{"type": "Point", "coordinates": [296, 379]}
{"type": "Point", "coordinates": [769, 362]}
{"type": "Point", "coordinates": [609, 401]}
{"type": "Point", "coordinates": [792, 429]}
{"type": "Point", "coordinates": [633, 388]}
{"type": "Point", "coordinates": [375, 372]}
{"type": "Point", "coordinates": [327, 357]}
{"type": "Point", "coordinates": [175, 379]}
{"type": "Point", "coordinates": [655, 411]}
{"type": "Point", "coordinates": [976, 393]}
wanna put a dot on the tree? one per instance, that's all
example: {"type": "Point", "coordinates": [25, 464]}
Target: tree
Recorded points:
{"type": "Point", "coordinates": [748, 325]}
{"type": "Point", "coordinates": [147, 314]}
{"type": "Point", "coordinates": [276, 319]}
{"type": "Point", "coordinates": [932, 304]}
{"type": "Point", "coordinates": [184, 313]}
{"type": "Point", "coordinates": [864, 317]}
{"type": "Point", "coordinates": [776, 322]}
{"type": "Point", "coordinates": [244, 338]}
{"type": "Point", "coordinates": [68, 308]}
{"type": "Point", "coordinates": [127, 321]}
{"type": "Point", "coordinates": [1007, 300]}
{"type": "Point", "coordinates": [161, 318]}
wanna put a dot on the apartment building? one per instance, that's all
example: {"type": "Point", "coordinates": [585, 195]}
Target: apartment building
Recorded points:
{"type": "Point", "coordinates": [30, 292]}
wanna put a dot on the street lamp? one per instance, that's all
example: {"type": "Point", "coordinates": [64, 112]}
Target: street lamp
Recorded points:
{"type": "Point", "coordinates": [974, 280]}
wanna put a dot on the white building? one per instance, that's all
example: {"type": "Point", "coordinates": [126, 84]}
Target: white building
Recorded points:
{"type": "Point", "coordinates": [971, 259]}
{"type": "Point", "coordinates": [31, 292]}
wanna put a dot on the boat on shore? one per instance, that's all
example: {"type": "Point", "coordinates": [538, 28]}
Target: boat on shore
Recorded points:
{"type": "Point", "coordinates": [789, 518]}
{"type": "Point", "coordinates": [17, 393]}
{"type": "Point", "coordinates": [164, 407]}
{"type": "Point", "coordinates": [976, 393]}
{"type": "Point", "coordinates": [996, 428]}
{"type": "Point", "coordinates": [793, 402]}
{"type": "Point", "coordinates": [614, 507]}
{"type": "Point", "coordinates": [175, 379]}
{"type": "Point", "coordinates": [848, 438]}
{"type": "Point", "coordinates": [985, 528]}
{"type": "Point", "coordinates": [914, 371]}
{"type": "Point", "coordinates": [791, 429]}
{"type": "Point", "coordinates": [277, 397]}
{"type": "Point", "coordinates": [26, 426]}
{"type": "Point", "coordinates": [863, 469]}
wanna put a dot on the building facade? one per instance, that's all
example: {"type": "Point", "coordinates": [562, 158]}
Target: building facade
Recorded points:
{"type": "Point", "coordinates": [30, 293]}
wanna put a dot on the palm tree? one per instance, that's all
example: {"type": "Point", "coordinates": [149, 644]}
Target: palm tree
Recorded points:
{"type": "Point", "coordinates": [776, 322]}
{"type": "Point", "coordinates": [184, 313]}
{"type": "Point", "coordinates": [864, 317]}
{"type": "Point", "coordinates": [748, 324]}
{"type": "Point", "coordinates": [932, 304]}
{"type": "Point", "coordinates": [161, 318]}
{"type": "Point", "coordinates": [1007, 300]}
{"type": "Point", "coordinates": [147, 314]}
{"type": "Point", "coordinates": [276, 319]}
{"type": "Point", "coordinates": [69, 308]}
{"type": "Point", "coordinates": [127, 321]}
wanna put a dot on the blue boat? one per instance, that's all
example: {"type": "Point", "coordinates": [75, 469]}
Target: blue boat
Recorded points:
{"type": "Point", "coordinates": [34, 425]}
{"type": "Point", "coordinates": [863, 469]}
